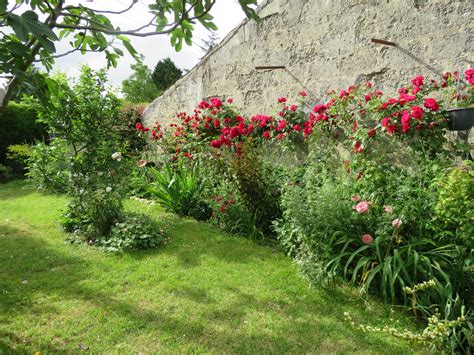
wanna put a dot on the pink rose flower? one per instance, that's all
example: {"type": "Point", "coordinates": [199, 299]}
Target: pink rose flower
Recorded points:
{"type": "Point", "coordinates": [396, 223]}
{"type": "Point", "coordinates": [362, 207]}
{"type": "Point", "coordinates": [388, 208]}
{"type": "Point", "coordinates": [367, 239]}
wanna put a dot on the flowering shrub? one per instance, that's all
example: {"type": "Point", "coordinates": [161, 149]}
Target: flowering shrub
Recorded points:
{"type": "Point", "coordinates": [86, 120]}
{"type": "Point", "coordinates": [362, 202]}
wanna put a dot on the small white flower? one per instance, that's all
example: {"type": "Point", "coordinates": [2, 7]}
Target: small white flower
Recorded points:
{"type": "Point", "coordinates": [117, 156]}
{"type": "Point", "coordinates": [108, 189]}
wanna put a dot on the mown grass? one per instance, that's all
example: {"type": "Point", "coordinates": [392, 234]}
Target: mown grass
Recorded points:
{"type": "Point", "coordinates": [205, 291]}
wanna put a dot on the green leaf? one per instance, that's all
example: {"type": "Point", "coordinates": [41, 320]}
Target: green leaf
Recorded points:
{"type": "Point", "coordinates": [28, 24]}
{"type": "Point", "coordinates": [53, 85]}
{"type": "Point", "coordinates": [118, 51]}
{"type": "Point", "coordinates": [126, 43]}
{"type": "Point", "coordinates": [3, 6]}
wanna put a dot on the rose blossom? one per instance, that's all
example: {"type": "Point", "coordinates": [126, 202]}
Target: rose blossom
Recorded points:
{"type": "Point", "coordinates": [367, 239]}
{"type": "Point", "coordinates": [417, 81]}
{"type": "Point", "coordinates": [396, 223]}
{"type": "Point", "coordinates": [355, 198]}
{"type": "Point", "coordinates": [388, 208]}
{"type": "Point", "coordinates": [417, 112]}
{"type": "Point", "coordinates": [430, 103]}
{"type": "Point", "coordinates": [362, 207]}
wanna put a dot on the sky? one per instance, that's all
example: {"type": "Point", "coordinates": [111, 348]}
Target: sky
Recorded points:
{"type": "Point", "coordinates": [227, 15]}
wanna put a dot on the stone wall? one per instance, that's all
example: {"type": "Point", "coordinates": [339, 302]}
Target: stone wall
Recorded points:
{"type": "Point", "coordinates": [325, 44]}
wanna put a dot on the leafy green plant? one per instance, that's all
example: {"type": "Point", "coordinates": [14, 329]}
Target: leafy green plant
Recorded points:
{"type": "Point", "coordinates": [6, 173]}
{"type": "Point", "coordinates": [86, 117]}
{"type": "Point", "coordinates": [48, 166]}
{"type": "Point", "coordinates": [18, 125]}
{"type": "Point", "coordinates": [255, 184]}
{"type": "Point", "coordinates": [133, 232]}
{"type": "Point", "coordinates": [17, 156]}
{"type": "Point", "coordinates": [454, 208]}
{"type": "Point", "coordinates": [180, 190]}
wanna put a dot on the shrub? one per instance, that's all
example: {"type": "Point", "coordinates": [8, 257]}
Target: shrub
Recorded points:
{"type": "Point", "coordinates": [86, 116]}
{"type": "Point", "coordinates": [230, 213]}
{"type": "Point", "coordinates": [18, 125]}
{"type": "Point", "coordinates": [17, 157]}
{"type": "Point", "coordinates": [133, 232]}
{"type": "Point", "coordinates": [6, 173]}
{"type": "Point", "coordinates": [454, 207]}
{"type": "Point", "coordinates": [48, 166]}
{"type": "Point", "coordinates": [255, 184]}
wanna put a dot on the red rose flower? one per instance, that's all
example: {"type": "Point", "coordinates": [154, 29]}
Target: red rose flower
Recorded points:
{"type": "Point", "coordinates": [431, 104]}
{"type": "Point", "coordinates": [386, 121]}
{"type": "Point", "coordinates": [216, 143]}
{"type": "Point", "coordinates": [319, 108]}
{"type": "Point", "coordinates": [417, 112]}
{"type": "Point", "coordinates": [357, 147]}
{"type": "Point", "coordinates": [204, 104]}
{"type": "Point", "coordinates": [266, 135]}
{"type": "Point", "coordinates": [469, 75]}
{"type": "Point", "coordinates": [281, 100]}
{"type": "Point", "coordinates": [406, 121]}
{"type": "Point", "coordinates": [418, 81]}
{"type": "Point", "coordinates": [234, 132]}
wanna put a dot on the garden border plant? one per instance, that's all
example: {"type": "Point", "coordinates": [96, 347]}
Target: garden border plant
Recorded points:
{"type": "Point", "coordinates": [371, 189]}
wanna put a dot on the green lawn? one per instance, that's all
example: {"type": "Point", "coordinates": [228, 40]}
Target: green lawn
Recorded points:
{"type": "Point", "coordinates": [205, 291]}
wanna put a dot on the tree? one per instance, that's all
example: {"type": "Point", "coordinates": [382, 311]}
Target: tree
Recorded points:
{"type": "Point", "coordinates": [140, 87]}
{"type": "Point", "coordinates": [165, 74]}
{"type": "Point", "coordinates": [31, 28]}
{"type": "Point", "coordinates": [209, 43]}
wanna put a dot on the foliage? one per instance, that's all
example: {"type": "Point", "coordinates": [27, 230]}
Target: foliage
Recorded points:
{"type": "Point", "coordinates": [139, 182]}
{"type": "Point", "coordinates": [6, 173]}
{"type": "Point", "coordinates": [131, 115]}
{"type": "Point", "coordinates": [140, 87]}
{"type": "Point", "coordinates": [17, 157]}
{"type": "Point", "coordinates": [230, 213]}
{"type": "Point", "coordinates": [18, 125]}
{"type": "Point", "coordinates": [165, 74]}
{"type": "Point", "coordinates": [180, 190]}
{"type": "Point", "coordinates": [87, 116]}
{"type": "Point", "coordinates": [135, 231]}
{"type": "Point", "coordinates": [35, 27]}
{"type": "Point", "coordinates": [48, 166]}
{"type": "Point", "coordinates": [254, 183]}
{"type": "Point", "coordinates": [212, 41]}
{"type": "Point", "coordinates": [454, 208]}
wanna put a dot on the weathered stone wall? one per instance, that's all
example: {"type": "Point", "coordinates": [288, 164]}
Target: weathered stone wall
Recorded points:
{"type": "Point", "coordinates": [325, 44]}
